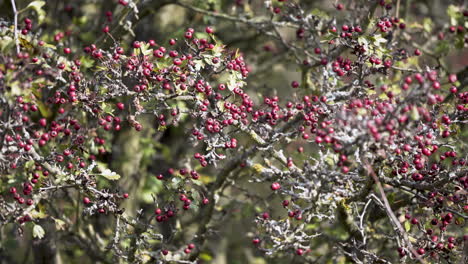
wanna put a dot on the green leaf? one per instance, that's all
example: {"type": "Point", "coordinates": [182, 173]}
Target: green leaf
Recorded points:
{"type": "Point", "coordinates": [199, 64]}
{"type": "Point", "coordinates": [107, 108]}
{"type": "Point", "coordinates": [427, 24]}
{"type": "Point", "coordinates": [37, 6]}
{"type": "Point", "coordinates": [201, 35]}
{"type": "Point", "coordinates": [206, 257]}
{"type": "Point", "coordinates": [443, 47]}
{"type": "Point", "coordinates": [377, 39]}
{"type": "Point", "coordinates": [218, 49]}
{"type": "Point", "coordinates": [45, 111]}
{"type": "Point", "coordinates": [6, 43]}
{"type": "Point", "coordinates": [331, 160]}
{"type": "Point", "coordinates": [38, 232]}
{"type": "Point", "coordinates": [459, 42]}
{"type": "Point", "coordinates": [319, 13]}
{"type": "Point", "coordinates": [407, 226]}
{"type": "Point", "coordinates": [50, 46]}
{"type": "Point", "coordinates": [362, 40]}
{"type": "Point", "coordinates": [414, 114]}
{"type": "Point", "coordinates": [454, 13]}
{"type": "Point", "coordinates": [162, 63]}
{"type": "Point", "coordinates": [146, 49]}
{"type": "Point", "coordinates": [175, 182]}
{"type": "Point", "coordinates": [38, 214]}
{"type": "Point", "coordinates": [86, 62]}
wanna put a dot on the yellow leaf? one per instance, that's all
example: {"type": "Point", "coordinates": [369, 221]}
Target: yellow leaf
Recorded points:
{"type": "Point", "coordinates": [258, 167]}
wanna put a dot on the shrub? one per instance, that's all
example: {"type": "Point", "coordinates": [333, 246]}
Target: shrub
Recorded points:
{"type": "Point", "coordinates": [141, 149]}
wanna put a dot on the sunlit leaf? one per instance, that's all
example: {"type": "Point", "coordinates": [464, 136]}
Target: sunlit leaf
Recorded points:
{"type": "Point", "coordinates": [38, 232]}
{"type": "Point", "coordinates": [110, 175]}
{"type": "Point", "coordinates": [37, 7]}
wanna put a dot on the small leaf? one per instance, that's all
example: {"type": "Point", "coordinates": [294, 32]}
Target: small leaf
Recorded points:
{"type": "Point", "coordinates": [427, 24]}
{"type": "Point", "coordinates": [175, 182]}
{"type": "Point", "coordinates": [45, 111]}
{"type": "Point", "coordinates": [6, 43]}
{"type": "Point", "coordinates": [220, 105]}
{"type": "Point", "coordinates": [86, 62]}
{"type": "Point", "coordinates": [407, 226]}
{"type": "Point", "coordinates": [443, 47]}
{"type": "Point", "coordinates": [206, 257]}
{"type": "Point", "coordinates": [25, 43]}
{"type": "Point", "coordinates": [319, 13]}
{"type": "Point", "coordinates": [36, 5]}
{"type": "Point", "coordinates": [59, 224]}
{"type": "Point", "coordinates": [454, 13]}
{"type": "Point", "coordinates": [414, 114]}
{"type": "Point", "coordinates": [38, 214]}
{"type": "Point", "coordinates": [146, 49]}
{"type": "Point", "coordinates": [362, 40]}
{"type": "Point", "coordinates": [38, 232]}
{"type": "Point", "coordinates": [199, 64]}
{"type": "Point", "coordinates": [258, 167]}
{"type": "Point", "coordinates": [377, 39]}
{"type": "Point", "coordinates": [110, 175]}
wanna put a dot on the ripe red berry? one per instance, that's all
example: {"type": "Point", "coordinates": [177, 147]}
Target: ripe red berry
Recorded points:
{"type": "Point", "coordinates": [275, 186]}
{"type": "Point", "coordinates": [120, 106]}
{"type": "Point", "coordinates": [209, 30]}
{"type": "Point", "coordinates": [344, 169]}
{"type": "Point", "coordinates": [136, 44]}
{"type": "Point", "coordinates": [452, 78]}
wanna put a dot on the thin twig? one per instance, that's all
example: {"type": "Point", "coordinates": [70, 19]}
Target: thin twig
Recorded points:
{"type": "Point", "coordinates": [231, 18]}
{"type": "Point", "coordinates": [15, 13]}
{"type": "Point", "coordinates": [390, 213]}
{"type": "Point", "coordinates": [397, 12]}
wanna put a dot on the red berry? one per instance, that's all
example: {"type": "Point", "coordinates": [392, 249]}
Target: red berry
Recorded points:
{"type": "Point", "coordinates": [452, 78]}
{"type": "Point", "coordinates": [136, 44]}
{"type": "Point", "coordinates": [120, 106]}
{"type": "Point", "coordinates": [275, 186]}
{"type": "Point", "coordinates": [209, 30]}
